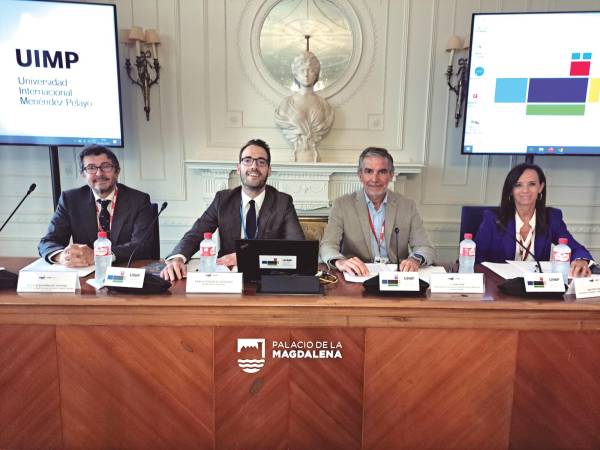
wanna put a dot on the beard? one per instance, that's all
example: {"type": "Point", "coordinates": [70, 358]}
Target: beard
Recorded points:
{"type": "Point", "coordinates": [254, 184]}
{"type": "Point", "coordinates": [105, 188]}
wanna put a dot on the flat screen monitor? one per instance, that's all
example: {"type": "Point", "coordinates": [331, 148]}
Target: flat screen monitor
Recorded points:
{"type": "Point", "coordinates": [59, 76]}
{"type": "Point", "coordinates": [256, 257]}
{"type": "Point", "coordinates": [534, 84]}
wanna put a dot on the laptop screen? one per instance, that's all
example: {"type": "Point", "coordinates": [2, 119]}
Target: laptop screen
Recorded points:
{"type": "Point", "coordinates": [256, 257]}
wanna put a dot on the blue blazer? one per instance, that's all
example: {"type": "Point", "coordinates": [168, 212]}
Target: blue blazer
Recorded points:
{"type": "Point", "coordinates": [495, 245]}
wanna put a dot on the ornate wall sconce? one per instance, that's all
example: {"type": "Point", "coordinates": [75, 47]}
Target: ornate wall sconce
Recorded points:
{"type": "Point", "coordinates": [459, 78]}
{"type": "Point", "coordinates": [146, 62]}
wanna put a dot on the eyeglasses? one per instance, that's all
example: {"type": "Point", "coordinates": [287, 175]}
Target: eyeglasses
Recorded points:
{"type": "Point", "coordinates": [104, 168]}
{"type": "Point", "coordinates": [260, 162]}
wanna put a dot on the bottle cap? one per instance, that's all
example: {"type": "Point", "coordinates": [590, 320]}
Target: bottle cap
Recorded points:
{"type": "Point", "coordinates": [468, 236]}
{"type": "Point", "coordinates": [207, 235]}
{"type": "Point", "coordinates": [564, 241]}
{"type": "Point", "coordinates": [102, 234]}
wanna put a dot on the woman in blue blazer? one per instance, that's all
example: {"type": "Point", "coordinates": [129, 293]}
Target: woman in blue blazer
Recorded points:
{"type": "Point", "coordinates": [523, 204]}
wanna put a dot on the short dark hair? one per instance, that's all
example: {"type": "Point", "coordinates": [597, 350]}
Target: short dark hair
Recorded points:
{"type": "Point", "coordinates": [507, 202]}
{"type": "Point", "coordinates": [260, 143]}
{"type": "Point", "coordinates": [378, 152]}
{"type": "Point", "coordinates": [97, 150]}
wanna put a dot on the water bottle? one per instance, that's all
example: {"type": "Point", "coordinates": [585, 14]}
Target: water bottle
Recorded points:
{"type": "Point", "coordinates": [102, 256]}
{"type": "Point", "coordinates": [208, 254]}
{"type": "Point", "coordinates": [466, 254]}
{"type": "Point", "coordinates": [561, 259]}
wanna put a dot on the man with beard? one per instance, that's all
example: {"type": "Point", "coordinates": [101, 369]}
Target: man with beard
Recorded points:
{"type": "Point", "coordinates": [103, 205]}
{"type": "Point", "coordinates": [251, 211]}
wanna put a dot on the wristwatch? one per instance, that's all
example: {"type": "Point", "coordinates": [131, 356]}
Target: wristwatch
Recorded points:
{"type": "Point", "coordinates": [419, 258]}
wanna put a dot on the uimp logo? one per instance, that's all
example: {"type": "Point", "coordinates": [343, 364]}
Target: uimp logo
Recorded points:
{"type": "Point", "coordinates": [251, 365]}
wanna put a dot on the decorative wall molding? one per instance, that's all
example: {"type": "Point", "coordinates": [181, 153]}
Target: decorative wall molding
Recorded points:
{"type": "Point", "coordinates": [312, 185]}
{"type": "Point", "coordinates": [249, 32]}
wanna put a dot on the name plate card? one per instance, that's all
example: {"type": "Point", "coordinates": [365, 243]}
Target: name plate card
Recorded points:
{"type": "Point", "coordinates": [47, 281]}
{"type": "Point", "coordinates": [214, 283]}
{"type": "Point", "coordinates": [544, 282]}
{"type": "Point", "coordinates": [124, 277]}
{"type": "Point", "coordinates": [399, 281]}
{"type": "Point", "coordinates": [587, 287]}
{"type": "Point", "coordinates": [461, 283]}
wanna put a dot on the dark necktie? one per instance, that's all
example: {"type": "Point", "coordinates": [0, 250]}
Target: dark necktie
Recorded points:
{"type": "Point", "coordinates": [251, 221]}
{"type": "Point", "coordinates": [104, 216]}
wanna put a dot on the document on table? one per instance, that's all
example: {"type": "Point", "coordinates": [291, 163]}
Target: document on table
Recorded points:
{"type": "Point", "coordinates": [375, 268]}
{"type": "Point", "coordinates": [41, 265]}
{"type": "Point", "coordinates": [515, 269]}
{"type": "Point", "coordinates": [193, 265]}
{"type": "Point", "coordinates": [531, 266]}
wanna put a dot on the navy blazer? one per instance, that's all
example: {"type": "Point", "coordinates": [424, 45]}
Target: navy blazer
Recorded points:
{"type": "Point", "coordinates": [495, 245]}
{"type": "Point", "coordinates": [76, 217]}
{"type": "Point", "coordinates": [277, 219]}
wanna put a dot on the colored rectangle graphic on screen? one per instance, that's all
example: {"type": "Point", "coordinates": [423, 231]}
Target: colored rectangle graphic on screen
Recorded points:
{"type": "Point", "coordinates": [557, 90]}
{"type": "Point", "coordinates": [555, 110]}
{"type": "Point", "coordinates": [510, 90]}
{"type": "Point", "coordinates": [580, 68]}
{"type": "Point", "coordinates": [594, 91]}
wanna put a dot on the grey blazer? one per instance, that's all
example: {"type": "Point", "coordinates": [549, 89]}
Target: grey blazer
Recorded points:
{"type": "Point", "coordinates": [277, 219]}
{"type": "Point", "coordinates": [348, 232]}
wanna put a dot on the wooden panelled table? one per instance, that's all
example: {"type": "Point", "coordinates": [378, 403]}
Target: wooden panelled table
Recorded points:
{"type": "Point", "coordinates": [89, 370]}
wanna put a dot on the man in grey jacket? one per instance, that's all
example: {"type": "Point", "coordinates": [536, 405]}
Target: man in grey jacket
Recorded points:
{"type": "Point", "coordinates": [251, 211]}
{"type": "Point", "coordinates": [374, 223]}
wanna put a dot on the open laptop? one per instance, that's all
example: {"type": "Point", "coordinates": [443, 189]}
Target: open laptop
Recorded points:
{"type": "Point", "coordinates": [256, 257]}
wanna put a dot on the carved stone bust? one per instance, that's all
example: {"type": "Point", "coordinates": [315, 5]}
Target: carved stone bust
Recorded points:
{"type": "Point", "coordinates": [305, 117]}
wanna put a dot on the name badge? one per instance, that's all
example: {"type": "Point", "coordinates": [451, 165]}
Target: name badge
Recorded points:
{"type": "Point", "coordinates": [47, 282]}
{"type": "Point", "coordinates": [587, 287]}
{"type": "Point", "coordinates": [544, 282]}
{"type": "Point", "coordinates": [280, 262]}
{"type": "Point", "coordinates": [464, 283]}
{"type": "Point", "coordinates": [399, 281]}
{"type": "Point", "coordinates": [214, 283]}
{"type": "Point", "coordinates": [123, 277]}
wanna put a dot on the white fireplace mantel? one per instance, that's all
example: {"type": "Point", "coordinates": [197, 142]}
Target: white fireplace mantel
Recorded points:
{"type": "Point", "coordinates": [312, 185]}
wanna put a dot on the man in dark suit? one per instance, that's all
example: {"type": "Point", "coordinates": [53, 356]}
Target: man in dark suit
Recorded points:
{"type": "Point", "coordinates": [103, 205]}
{"type": "Point", "coordinates": [251, 211]}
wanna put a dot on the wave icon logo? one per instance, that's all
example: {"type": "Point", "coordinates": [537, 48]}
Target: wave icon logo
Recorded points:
{"type": "Point", "coordinates": [251, 365]}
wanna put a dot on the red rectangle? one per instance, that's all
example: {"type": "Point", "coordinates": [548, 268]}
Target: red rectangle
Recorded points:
{"type": "Point", "coordinates": [580, 68]}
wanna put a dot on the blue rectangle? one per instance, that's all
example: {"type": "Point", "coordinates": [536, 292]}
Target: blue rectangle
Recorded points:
{"type": "Point", "coordinates": [557, 90]}
{"type": "Point", "coordinates": [587, 56]}
{"type": "Point", "coordinates": [575, 56]}
{"type": "Point", "coordinates": [510, 90]}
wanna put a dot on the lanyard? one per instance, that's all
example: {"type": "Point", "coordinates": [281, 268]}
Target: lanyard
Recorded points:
{"type": "Point", "coordinates": [379, 241]}
{"type": "Point", "coordinates": [525, 252]}
{"type": "Point", "coordinates": [113, 204]}
{"type": "Point", "coordinates": [243, 220]}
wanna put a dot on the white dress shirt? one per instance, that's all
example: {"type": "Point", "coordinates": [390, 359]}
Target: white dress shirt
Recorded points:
{"type": "Point", "coordinates": [529, 241]}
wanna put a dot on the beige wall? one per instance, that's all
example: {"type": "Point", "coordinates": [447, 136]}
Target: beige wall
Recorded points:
{"type": "Point", "coordinates": [211, 99]}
